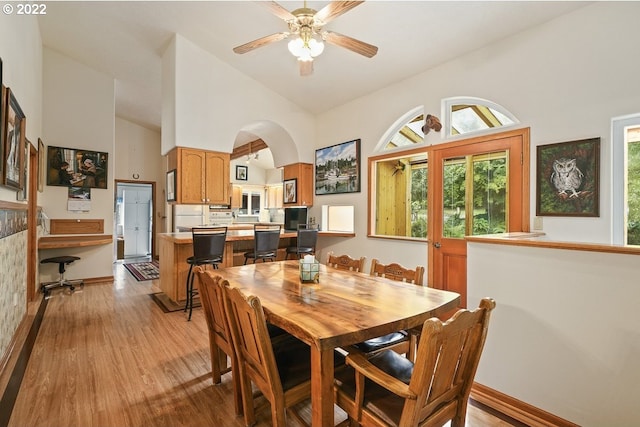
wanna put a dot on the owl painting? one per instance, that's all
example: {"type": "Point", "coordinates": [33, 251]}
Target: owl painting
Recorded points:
{"type": "Point", "coordinates": [566, 176]}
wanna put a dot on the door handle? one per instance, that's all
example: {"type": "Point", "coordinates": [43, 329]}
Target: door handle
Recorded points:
{"type": "Point", "coordinates": [436, 245]}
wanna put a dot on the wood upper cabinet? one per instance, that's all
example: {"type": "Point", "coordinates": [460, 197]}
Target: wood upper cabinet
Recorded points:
{"type": "Point", "coordinates": [202, 177]}
{"type": "Point", "coordinates": [303, 173]}
{"type": "Point", "coordinates": [236, 197]}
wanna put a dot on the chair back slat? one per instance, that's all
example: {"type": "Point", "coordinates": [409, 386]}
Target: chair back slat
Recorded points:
{"type": "Point", "coordinates": [395, 271]}
{"type": "Point", "coordinates": [345, 262]}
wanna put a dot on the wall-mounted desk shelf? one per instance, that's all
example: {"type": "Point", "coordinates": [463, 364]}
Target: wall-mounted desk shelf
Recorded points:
{"type": "Point", "coordinates": [57, 242]}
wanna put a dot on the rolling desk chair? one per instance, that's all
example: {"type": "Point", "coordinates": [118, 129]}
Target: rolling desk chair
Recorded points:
{"type": "Point", "coordinates": [62, 261]}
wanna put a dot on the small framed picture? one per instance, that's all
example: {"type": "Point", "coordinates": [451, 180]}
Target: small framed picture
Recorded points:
{"type": "Point", "coordinates": [568, 178]}
{"type": "Point", "coordinates": [289, 190]}
{"type": "Point", "coordinates": [242, 173]}
{"type": "Point", "coordinates": [171, 186]}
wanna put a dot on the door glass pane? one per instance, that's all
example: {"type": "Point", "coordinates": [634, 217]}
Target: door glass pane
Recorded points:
{"type": "Point", "coordinates": [454, 197]}
{"type": "Point", "coordinates": [418, 204]}
{"type": "Point", "coordinates": [633, 188]}
{"type": "Point", "coordinates": [489, 194]}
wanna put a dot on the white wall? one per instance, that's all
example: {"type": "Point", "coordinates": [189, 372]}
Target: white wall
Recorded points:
{"type": "Point", "coordinates": [21, 53]}
{"type": "Point", "coordinates": [213, 102]}
{"type": "Point", "coordinates": [565, 79]}
{"type": "Point", "coordinates": [79, 112]}
{"type": "Point", "coordinates": [565, 335]}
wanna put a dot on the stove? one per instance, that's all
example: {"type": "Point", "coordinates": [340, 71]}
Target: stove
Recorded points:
{"type": "Point", "coordinates": [222, 217]}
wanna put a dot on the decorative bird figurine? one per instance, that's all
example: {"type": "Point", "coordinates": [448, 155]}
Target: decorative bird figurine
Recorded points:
{"type": "Point", "coordinates": [431, 122]}
{"type": "Point", "coordinates": [398, 168]}
{"type": "Point", "coordinates": [566, 176]}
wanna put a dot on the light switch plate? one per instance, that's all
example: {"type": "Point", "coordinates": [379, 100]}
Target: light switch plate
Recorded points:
{"type": "Point", "coordinates": [537, 223]}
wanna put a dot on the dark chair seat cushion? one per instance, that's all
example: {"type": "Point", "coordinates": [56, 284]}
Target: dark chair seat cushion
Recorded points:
{"type": "Point", "coordinates": [268, 254]}
{"type": "Point", "coordinates": [202, 261]}
{"type": "Point", "coordinates": [377, 399]}
{"type": "Point", "coordinates": [379, 343]}
{"type": "Point", "coordinates": [296, 250]}
{"type": "Point", "coordinates": [293, 358]}
{"type": "Point", "coordinates": [67, 259]}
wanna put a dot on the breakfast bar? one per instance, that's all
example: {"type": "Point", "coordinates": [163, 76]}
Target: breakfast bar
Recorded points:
{"type": "Point", "coordinates": [175, 248]}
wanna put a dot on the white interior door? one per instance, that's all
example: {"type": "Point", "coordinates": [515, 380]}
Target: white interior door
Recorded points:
{"type": "Point", "coordinates": [137, 222]}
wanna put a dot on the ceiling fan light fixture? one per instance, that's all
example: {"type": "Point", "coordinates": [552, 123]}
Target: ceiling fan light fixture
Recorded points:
{"type": "Point", "coordinates": [305, 50]}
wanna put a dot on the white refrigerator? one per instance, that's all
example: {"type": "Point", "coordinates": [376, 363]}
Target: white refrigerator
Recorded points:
{"type": "Point", "coordinates": [187, 216]}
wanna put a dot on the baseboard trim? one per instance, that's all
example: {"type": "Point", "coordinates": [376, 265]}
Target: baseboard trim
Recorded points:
{"type": "Point", "coordinates": [517, 409]}
{"type": "Point", "coordinates": [94, 280]}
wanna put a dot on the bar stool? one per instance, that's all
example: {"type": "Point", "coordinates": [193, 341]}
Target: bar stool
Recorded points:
{"type": "Point", "coordinates": [266, 239]}
{"type": "Point", "coordinates": [305, 242]}
{"type": "Point", "coordinates": [208, 249]}
{"type": "Point", "coordinates": [62, 261]}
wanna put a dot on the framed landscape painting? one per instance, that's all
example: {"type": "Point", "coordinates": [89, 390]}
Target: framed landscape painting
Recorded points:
{"type": "Point", "coordinates": [568, 178]}
{"type": "Point", "coordinates": [338, 168]}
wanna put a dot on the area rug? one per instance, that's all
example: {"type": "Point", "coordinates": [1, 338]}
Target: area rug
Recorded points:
{"type": "Point", "coordinates": [143, 270]}
{"type": "Point", "coordinates": [167, 305]}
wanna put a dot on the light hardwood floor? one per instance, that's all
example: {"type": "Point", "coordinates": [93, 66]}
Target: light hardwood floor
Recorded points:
{"type": "Point", "coordinates": [108, 356]}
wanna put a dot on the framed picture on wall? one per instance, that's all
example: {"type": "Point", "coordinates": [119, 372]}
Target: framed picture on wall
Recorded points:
{"type": "Point", "coordinates": [14, 142]}
{"type": "Point", "coordinates": [568, 178]}
{"type": "Point", "coordinates": [242, 173]}
{"type": "Point", "coordinates": [72, 167]}
{"type": "Point", "coordinates": [171, 186]}
{"type": "Point", "coordinates": [289, 191]}
{"type": "Point", "coordinates": [41, 165]}
{"type": "Point", "coordinates": [338, 168]}
{"type": "Point", "coordinates": [3, 111]}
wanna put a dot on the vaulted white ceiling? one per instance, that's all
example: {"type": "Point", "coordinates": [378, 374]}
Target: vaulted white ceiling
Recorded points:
{"type": "Point", "coordinates": [126, 39]}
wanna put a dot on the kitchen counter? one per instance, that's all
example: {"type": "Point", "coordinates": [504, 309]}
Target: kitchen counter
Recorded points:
{"type": "Point", "coordinates": [175, 248]}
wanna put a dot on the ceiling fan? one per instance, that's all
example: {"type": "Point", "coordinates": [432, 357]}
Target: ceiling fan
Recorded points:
{"type": "Point", "coordinates": [307, 24]}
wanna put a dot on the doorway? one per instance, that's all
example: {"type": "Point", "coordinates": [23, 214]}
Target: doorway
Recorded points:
{"type": "Point", "coordinates": [134, 228]}
{"type": "Point", "coordinates": [480, 186]}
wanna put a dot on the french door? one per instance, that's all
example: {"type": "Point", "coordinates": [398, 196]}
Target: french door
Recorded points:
{"type": "Point", "coordinates": [480, 186]}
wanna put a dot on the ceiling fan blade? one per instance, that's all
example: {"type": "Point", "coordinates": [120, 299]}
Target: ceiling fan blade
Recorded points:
{"type": "Point", "coordinates": [278, 10]}
{"type": "Point", "coordinates": [350, 43]}
{"type": "Point", "coordinates": [247, 47]}
{"type": "Point", "coordinates": [335, 9]}
{"type": "Point", "coordinates": [306, 68]}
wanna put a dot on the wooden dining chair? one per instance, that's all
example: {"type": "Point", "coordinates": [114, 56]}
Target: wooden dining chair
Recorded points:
{"type": "Point", "coordinates": [395, 271]}
{"type": "Point", "coordinates": [403, 342]}
{"type": "Point", "coordinates": [430, 391]}
{"type": "Point", "coordinates": [220, 345]}
{"type": "Point", "coordinates": [345, 262]}
{"type": "Point", "coordinates": [281, 371]}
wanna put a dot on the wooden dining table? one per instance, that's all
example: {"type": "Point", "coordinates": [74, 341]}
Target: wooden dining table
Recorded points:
{"type": "Point", "coordinates": [344, 308]}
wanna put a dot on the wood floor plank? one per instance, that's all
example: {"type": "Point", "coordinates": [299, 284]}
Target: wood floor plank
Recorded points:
{"type": "Point", "coordinates": [107, 355]}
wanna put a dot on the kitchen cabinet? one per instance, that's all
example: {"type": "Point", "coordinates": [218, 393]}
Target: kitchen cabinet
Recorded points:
{"type": "Point", "coordinates": [274, 196]}
{"type": "Point", "coordinates": [202, 177]}
{"type": "Point", "coordinates": [303, 173]}
{"type": "Point", "coordinates": [236, 197]}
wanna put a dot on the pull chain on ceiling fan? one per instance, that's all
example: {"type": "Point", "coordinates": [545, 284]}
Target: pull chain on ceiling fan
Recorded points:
{"type": "Point", "coordinates": [307, 24]}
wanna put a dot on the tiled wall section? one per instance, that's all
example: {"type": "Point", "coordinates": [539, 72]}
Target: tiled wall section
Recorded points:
{"type": "Point", "coordinates": [13, 265]}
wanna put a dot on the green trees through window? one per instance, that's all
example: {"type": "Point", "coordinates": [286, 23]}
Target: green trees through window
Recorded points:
{"type": "Point", "coordinates": [477, 205]}
{"type": "Point", "coordinates": [633, 189]}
